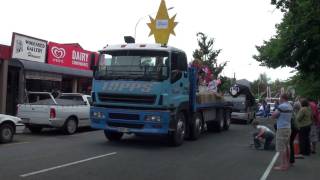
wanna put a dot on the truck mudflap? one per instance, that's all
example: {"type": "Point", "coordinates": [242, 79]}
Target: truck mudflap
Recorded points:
{"type": "Point", "coordinates": [130, 121]}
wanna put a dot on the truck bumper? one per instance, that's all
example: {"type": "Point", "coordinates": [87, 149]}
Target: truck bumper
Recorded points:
{"type": "Point", "coordinates": [130, 121]}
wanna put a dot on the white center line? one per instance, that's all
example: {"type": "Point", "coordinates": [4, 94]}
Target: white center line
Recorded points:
{"type": "Point", "coordinates": [66, 165]}
{"type": "Point", "coordinates": [267, 172]}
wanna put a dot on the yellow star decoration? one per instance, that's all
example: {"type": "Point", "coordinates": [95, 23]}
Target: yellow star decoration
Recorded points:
{"type": "Point", "coordinates": [162, 26]}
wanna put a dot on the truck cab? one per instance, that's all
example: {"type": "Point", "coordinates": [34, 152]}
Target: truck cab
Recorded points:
{"type": "Point", "coordinates": [148, 89]}
{"type": "Point", "coordinates": [138, 88]}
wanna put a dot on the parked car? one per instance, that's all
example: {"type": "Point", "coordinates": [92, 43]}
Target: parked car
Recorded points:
{"type": "Point", "coordinates": [67, 112]}
{"type": "Point", "coordinates": [8, 126]}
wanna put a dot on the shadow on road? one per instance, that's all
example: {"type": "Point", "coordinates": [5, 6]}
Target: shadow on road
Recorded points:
{"type": "Point", "coordinates": [158, 142]}
{"type": "Point", "coordinates": [48, 132]}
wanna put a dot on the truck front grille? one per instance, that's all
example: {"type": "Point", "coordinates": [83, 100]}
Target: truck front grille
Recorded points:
{"type": "Point", "coordinates": [125, 125]}
{"type": "Point", "coordinates": [124, 116]}
{"type": "Point", "coordinates": [125, 98]}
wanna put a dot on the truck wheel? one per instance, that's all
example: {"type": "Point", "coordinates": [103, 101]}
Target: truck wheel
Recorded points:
{"type": "Point", "coordinates": [113, 136]}
{"type": "Point", "coordinates": [219, 123]}
{"type": "Point", "coordinates": [196, 126]}
{"type": "Point", "coordinates": [6, 133]}
{"type": "Point", "coordinates": [35, 129]}
{"type": "Point", "coordinates": [227, 121]}
{"type": "Point", "coordinates": [176, 137]}
{"type": "Point", "coordinates": [70, 126]}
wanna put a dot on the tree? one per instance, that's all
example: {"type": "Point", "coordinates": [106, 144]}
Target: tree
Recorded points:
{"type": "Point", "coordinates": [306, 85]}
{"type": "Point", "coordinates": [225, 85]}
{"type": "Point", "coordinates": [297, 41]}
{"type": "Point", "coordinates": [207, 54]}
{"type": "Point", "coordinates": [259, 86]}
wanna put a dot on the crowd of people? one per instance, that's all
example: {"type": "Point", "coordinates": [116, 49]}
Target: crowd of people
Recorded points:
{"type": "Point", "coordinates": [300, 120]}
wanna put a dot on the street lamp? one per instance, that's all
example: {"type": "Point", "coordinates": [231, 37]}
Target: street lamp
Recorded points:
{"type": "Point", "coordinates": [135, 28]}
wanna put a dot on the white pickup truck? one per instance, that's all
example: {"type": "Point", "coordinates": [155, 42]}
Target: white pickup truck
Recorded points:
{"type": "Point", "coordinates": [67, 112]}
{"type": "Point", "coordinates": [8, 126]}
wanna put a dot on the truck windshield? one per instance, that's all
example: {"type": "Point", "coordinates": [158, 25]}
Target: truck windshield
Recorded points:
{"type": "Point", "coordinates": [143, 65]}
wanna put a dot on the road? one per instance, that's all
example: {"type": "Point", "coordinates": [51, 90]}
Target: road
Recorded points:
{"type": "Point", "coordinates": [88, 155]}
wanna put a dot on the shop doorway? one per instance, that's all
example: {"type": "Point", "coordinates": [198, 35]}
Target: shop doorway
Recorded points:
{"type": "Point", "coordinates": [12, 90]}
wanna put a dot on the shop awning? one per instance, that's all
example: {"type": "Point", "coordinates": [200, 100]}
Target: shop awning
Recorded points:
{"type": "Point", "coordinates": [49, 68]}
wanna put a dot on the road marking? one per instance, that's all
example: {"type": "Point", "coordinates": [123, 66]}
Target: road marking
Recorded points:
{"type": "Point", "coordinates": [66, 165]}
{"type": "Point", "coordinates": [267, 172]}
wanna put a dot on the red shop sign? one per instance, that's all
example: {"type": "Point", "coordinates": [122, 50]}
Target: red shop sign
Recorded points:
{"type": "Point", "coordinates": [69, 55]}
{"type": "Point", "coordinates": [5, 52]}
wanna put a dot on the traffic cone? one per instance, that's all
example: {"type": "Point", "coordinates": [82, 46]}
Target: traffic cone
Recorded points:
{"type": "Point", "coordinates": [296, 145]}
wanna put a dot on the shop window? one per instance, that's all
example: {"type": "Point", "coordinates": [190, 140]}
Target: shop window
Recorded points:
{"type": "Point", "coordinates": [42, 85]}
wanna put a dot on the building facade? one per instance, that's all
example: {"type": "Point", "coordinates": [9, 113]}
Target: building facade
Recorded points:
{"type": "Point", "coordinates": [40, 66]}
{"type": "Point", "coordinates": [5, 52]}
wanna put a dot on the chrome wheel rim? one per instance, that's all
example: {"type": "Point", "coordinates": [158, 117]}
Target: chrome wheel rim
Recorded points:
{"type": "Point", "coordinates": [198, 124]}
{"type": "Point", "coordinates": [6, 133]}
{"type": "Point", "coordinates": [181, 128]}
{"type": "Point", "coordinates": [72, 126]}
{"type": "Point", "coordinates": [228, 121]}
{"type": "Point", "coordinates": [221, 123]}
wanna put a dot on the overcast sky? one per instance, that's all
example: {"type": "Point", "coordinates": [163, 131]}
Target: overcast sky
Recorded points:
{"type": "Point", "coordinates": [237, 26]}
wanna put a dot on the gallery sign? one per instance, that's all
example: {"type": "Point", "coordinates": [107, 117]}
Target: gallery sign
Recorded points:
{"type": "Point", "coordinates": [69, 55]}
{"type": "Point", "coordinates": [28, 48]}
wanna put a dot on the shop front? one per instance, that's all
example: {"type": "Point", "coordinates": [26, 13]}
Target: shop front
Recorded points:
{"type": "Point", "coordinates": [37, 65]}
{"type": "Point", "coordinates": [27, 76]}
{"type": "Point", "coordinates": [74, 57]}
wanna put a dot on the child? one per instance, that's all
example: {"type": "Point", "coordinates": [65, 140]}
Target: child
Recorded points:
{"type": "Point", "coordinates": [263, 133]}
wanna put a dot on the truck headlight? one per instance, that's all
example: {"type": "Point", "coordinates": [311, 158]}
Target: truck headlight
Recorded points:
{"type": "Point", "coordinates": [152, 118]}
{"type": "Point", "coordinates": [98, 115]}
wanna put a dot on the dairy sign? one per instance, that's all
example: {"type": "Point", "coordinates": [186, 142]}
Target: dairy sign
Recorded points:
{"type": "Point", "coordinates": [28, 48]}
{"type": "Point", "coordinates": [69, 55]}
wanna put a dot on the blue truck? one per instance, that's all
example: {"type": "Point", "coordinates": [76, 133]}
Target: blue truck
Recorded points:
{"type": "Point", "coordinates": [148, 89]}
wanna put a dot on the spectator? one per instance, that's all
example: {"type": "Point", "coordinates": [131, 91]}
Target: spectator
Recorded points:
{"type": "Point", "coordinates": [276, 105]}
{"type": "Point", "coordinates": [263, 133]}
{"type": "Point", "coordinates": [294, 130]}
{"type": "Point", "coordinates": [264, 106]}
{"type": "Point", "coordinates": [268, 110]}
{"type": "Point", "coordinates": [314, 127]}
{"type": "Point", "coordinates": [304, 123]}
{"type": "Point", "coordinates": [283, 115]}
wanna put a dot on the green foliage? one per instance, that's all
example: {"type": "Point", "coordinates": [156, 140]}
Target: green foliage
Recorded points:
{"type": "Point", "coordinates": [259, 86]}
{"type": "Point", "coordinates": [207, 54]}
{"type": "Point", "coordinates": [225, 85]}
{"type": "Point", "coordinates": [306, 85]}
{"type": "Point", "coordinates": [297, 42]}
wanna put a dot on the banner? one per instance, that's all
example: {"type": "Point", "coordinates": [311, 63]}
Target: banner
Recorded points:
{"type": "Point", "coordinates": [28, 48]}
{"type": "Point", "coordinates": [69, 55]}
{"type": "Point", "coordinates": [5, 52]}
